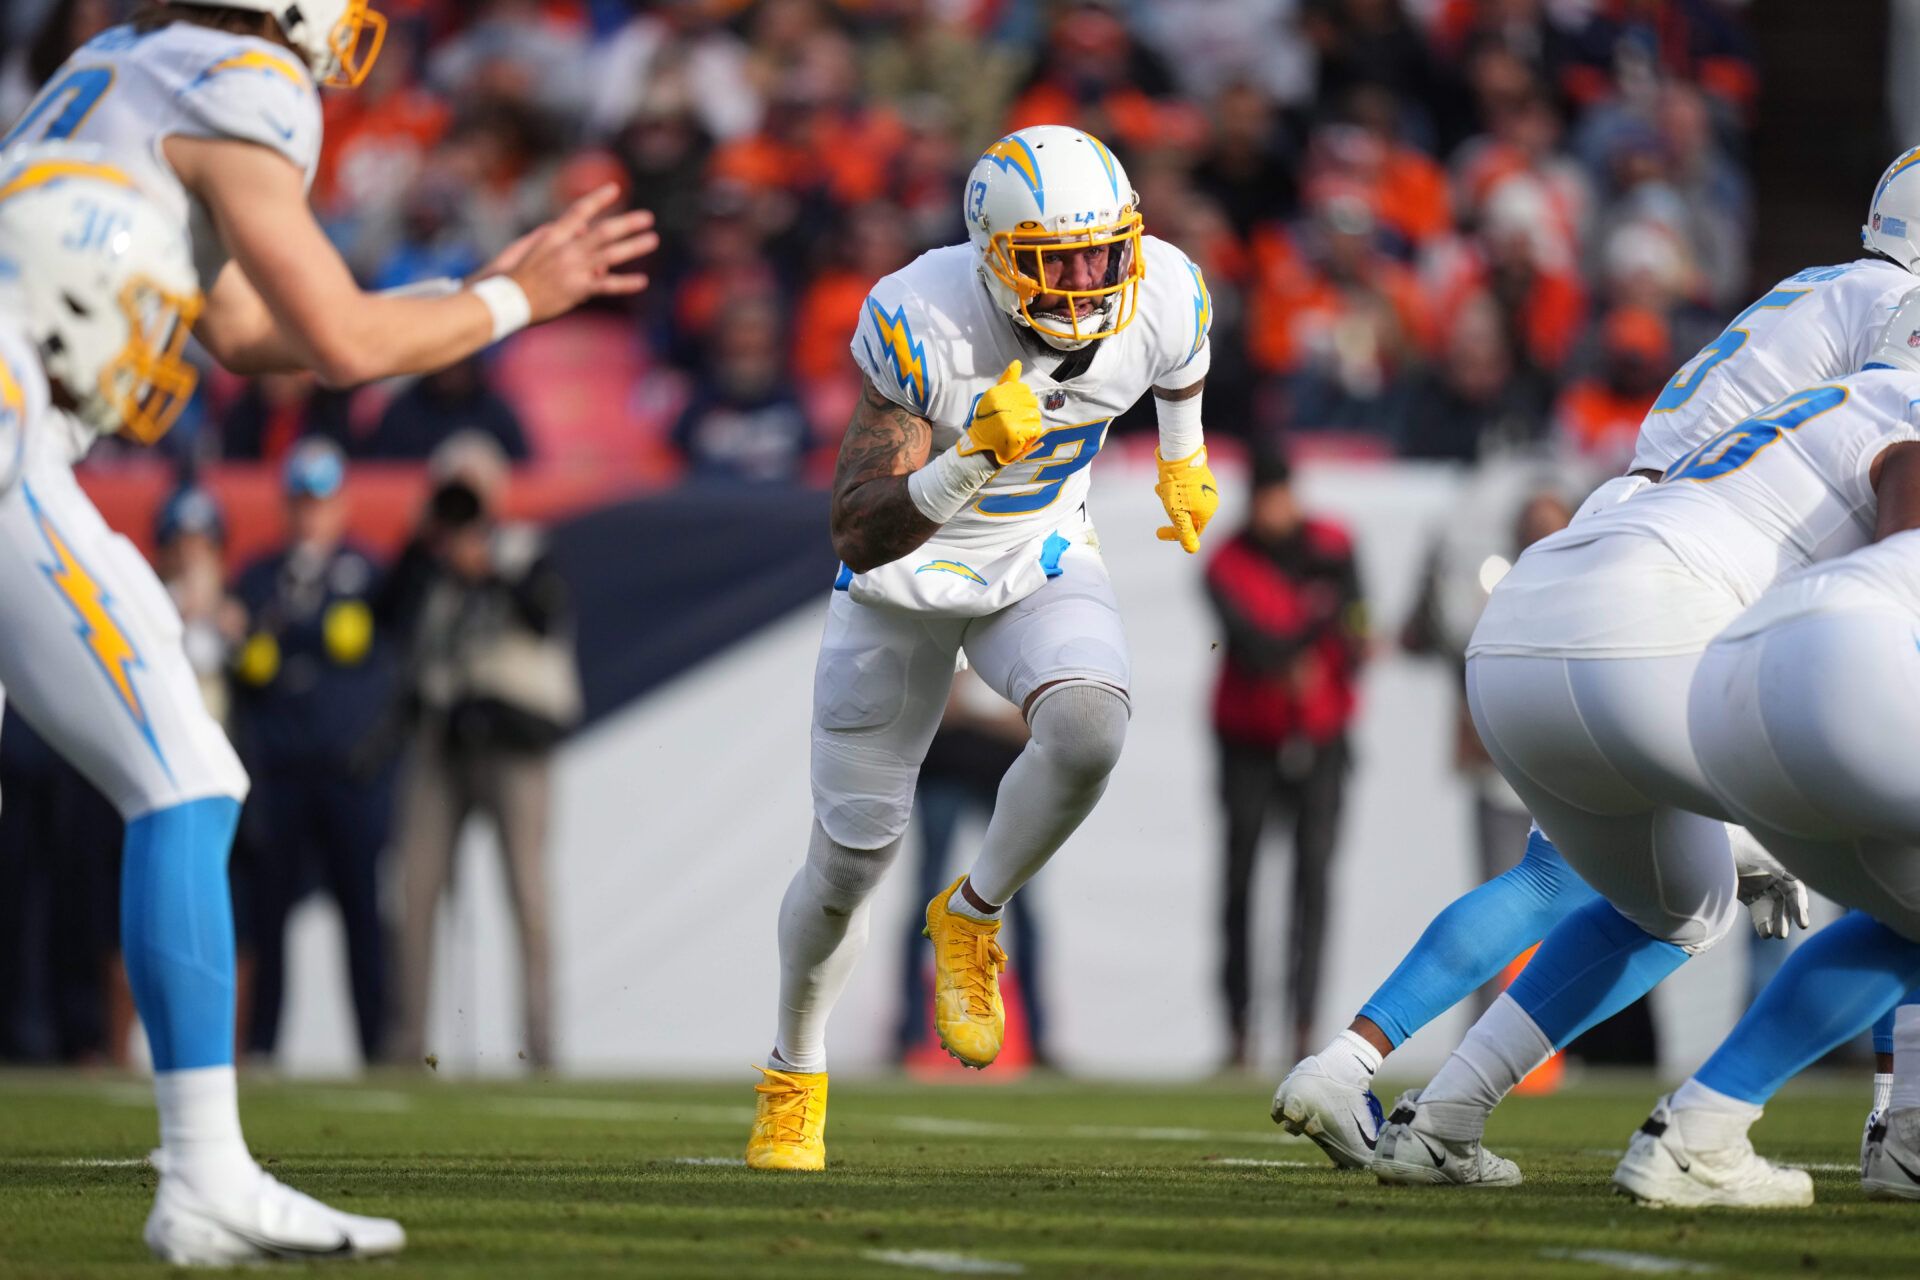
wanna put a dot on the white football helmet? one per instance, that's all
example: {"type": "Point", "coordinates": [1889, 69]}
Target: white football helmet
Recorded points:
{"type": "Point", "coordinates": [340, 39]}
{"type": "Point", "coordinates": [1047, 191]}
{"type": "Point", "coordinates": [1893, 215]}
{"type": "Point", "coordinates": [103, 280]}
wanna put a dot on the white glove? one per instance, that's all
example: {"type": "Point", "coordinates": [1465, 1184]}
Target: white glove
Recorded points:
{"type": "Point", "coordinates": [1776, 899]}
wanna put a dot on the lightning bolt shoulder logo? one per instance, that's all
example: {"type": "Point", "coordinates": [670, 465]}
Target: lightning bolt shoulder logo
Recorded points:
{"type": "Point", "coordinates": [1202, 311]}
{"type": "Point", "coordinates": [257, 60]}
{"type": "Point", "coordinates": [1013, 155]}
{"type": "Point", "coordinates": [903, 352]}
{"type": "Point", "coordinates": [92, 606]}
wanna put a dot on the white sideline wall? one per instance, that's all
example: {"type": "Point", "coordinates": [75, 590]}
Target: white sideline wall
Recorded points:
{"type": "Point", "coordinates": [681, 818]}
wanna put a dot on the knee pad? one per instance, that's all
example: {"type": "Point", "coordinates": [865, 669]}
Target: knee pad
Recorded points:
{"type": "Point", "coordinates": [1081, 725]}
{"type": "Point", "coordinates": [843, 876]}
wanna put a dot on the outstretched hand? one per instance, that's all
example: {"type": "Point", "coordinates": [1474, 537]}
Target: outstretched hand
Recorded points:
{"type": "Point", "coordinates": [577, 256]}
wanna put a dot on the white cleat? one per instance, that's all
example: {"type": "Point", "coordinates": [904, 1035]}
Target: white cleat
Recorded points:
{"type": "Point", "coordinates": [1661, 1171]}
{"type": "Point", "coordinates": [1343, 1118]}
{"type": "Point", "coordinates": [1408, 1157]}
{"type": "Point", "coordinates": [269, 1222]}
{"type": "Point", "coordinates": [1890, 1157]}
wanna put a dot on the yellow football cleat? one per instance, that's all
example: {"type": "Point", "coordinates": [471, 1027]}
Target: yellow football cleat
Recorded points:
{"type": "Point", "coordinates": [967, 1010]}
{"type": "Point", "coordinates": [789, 1121]}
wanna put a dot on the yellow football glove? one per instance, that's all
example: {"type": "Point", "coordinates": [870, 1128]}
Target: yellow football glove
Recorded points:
{"type": "Point", "coordinates": [1188, 491]}
{"type": "Point", "coordinates": [1006, 420]}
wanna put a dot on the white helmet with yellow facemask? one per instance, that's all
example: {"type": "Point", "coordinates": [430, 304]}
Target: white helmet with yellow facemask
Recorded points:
{"type": "Point", "coordinates": [339, 39]}
{"type": "Point", "coordinates": [102, 281]}
{"type": "Point", "coordinates": [1058, 229]}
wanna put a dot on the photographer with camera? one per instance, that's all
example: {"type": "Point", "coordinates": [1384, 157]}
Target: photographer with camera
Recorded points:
{"type": "Point", "coordinates": [491, 688]}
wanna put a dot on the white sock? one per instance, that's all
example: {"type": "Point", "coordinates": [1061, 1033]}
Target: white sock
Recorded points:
{"type": "Point", "coordinates": [1906, 1058]}
{"type": "Point", "coordinates": [1077, 734]}
{"type": "Point", "coordinates": [1350, 1058]}
{"type": "Point", "coordinates": [957, 903]}
{"type": "Point", "coordinates": [200, 1127]}
{"type": "Point", "coordinates": [1882, 1091]}
{"type": "Point", "coordinates": [1710, 1120]}
{"type": "Point", "coordinates": [823, 931]}
{"type": "Point", "coordinates": [1497, 1054]}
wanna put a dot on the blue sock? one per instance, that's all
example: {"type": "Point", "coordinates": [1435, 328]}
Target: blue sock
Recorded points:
{"type": "Point", "coordinates": [1883, 1030]}
{"type": "Point", "coordinates": [1593, 964]}
{"type": "Point", "coordinates": [1830, 988]}
{"type": "Point", "coordinates": [176, 930]}
{"type": "Point", "coordinates": [1475, 937]}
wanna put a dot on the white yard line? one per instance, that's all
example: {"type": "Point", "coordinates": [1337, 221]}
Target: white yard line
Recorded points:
{"type": "Point", "coordinates": [953, 1264]}
{"type": "Point", "coordinates": [606, 1110]}
{"type": "Point", "coordinates": [1621, 1260]}
{"type": "Point", "coordinates": [94, 1162]}
{"type": "Point", "coordinates": [375, 1101]}
{"type": "Point", "coordinates": [1246, 1162]}
{"type": "Point", "coordinates": [728, 1162]}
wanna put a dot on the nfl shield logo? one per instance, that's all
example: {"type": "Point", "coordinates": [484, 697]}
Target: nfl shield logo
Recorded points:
{"type": "Point", "coordinates": [1054, 400]}
{"type": "Point", "coordinates": [1876, 222]}
{"type": "Point", "coordinates": [1913, 338]}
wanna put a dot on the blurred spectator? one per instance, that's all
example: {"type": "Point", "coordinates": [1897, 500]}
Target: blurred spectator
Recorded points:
{"type": "Point", "coordinates": [1526, 259]}
{"type": "Point", "coordinates": [276, 411]}
{"type": "Point", "coordinates": [1093, 73]}
{"type": "Point", "coordinates": [1249, 168]}
{"type": "Point", "coordinates": [457, 400]}
{"type": "Point", "coordinates": [1288, 597]}
{"type": "Point", "coordinates": [190, 540]}
{"type": "Point", "coordinates": [871, 244]}
{"type": "Point", "coordinates": [379, 136]}
{"type": "Point", "coordinates": [1480, 398]}
{"type": "Point", "coordinates": [1255, 43]}
{"type": "Point", "coordinates": [1368, 42]}
{"type": "Point", "coordinates": [979, 738]}
{"type": "Point", "coordinates": [491, 689]}
{"type": "Point", "coordinates": [919, 49]}
{"type": "Point", "coordinates": [1336, 316]}
{"type": "Point", "coordinates": [1365, 153]}
{"type": "Point", "coordinates": [311, 683]}
{"type": "Point", "coordinates": [515, 50]}
{"type": "Point", "coordinates": [1715, 198]}
{"type": "Point", "coordinates": [1598, 417]}
{"type": "Point", "coordinates": [744, 421]}
{"type": "Point", "coordinates": [677, 52]}
{"type": "Point", "coordinates": [1470, 555]}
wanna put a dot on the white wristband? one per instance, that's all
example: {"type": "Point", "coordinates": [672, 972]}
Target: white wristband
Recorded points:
{"type": "Point", "coordinates": [942, 489]}
{"type": "Point", "coordinates": [507, 302]}
{"type": "Point", "coordinates": [1180, 433]}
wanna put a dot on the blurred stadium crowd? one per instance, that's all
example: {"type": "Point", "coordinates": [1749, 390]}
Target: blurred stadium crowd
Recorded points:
{"type": "Point", "coordinates": [1435, 227]}
{"type": "Point", "coordinates": [1438, 229]}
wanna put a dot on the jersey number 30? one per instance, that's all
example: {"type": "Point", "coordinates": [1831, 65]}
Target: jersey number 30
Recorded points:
{"type": "Point", "coordinates": [1055, 458]}
{"type": "Point", "coordinates": [1735, 447]}
{"type": "Point", "coordinates": [80, 89]}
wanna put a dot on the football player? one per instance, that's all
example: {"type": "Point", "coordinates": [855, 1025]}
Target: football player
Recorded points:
{"type": "Point", "coordinates": [1577, 678]}
{"type": "Point", "coordinates": [1800, 713]}
{"type": "Point", "coordinates": [97, 295]}
{"type": "Point", "coordinates": [1815, 325]}
{"type": "Point", "coordinates": [992, 372]}
{"type": "Point", "coordinates": [223, 95]}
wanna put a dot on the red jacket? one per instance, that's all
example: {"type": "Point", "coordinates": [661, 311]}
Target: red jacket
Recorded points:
{"type": "Point", "coordinates": [1295, 636]}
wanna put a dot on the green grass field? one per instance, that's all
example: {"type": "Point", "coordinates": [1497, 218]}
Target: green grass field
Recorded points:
{"type": "Point", "coordinates": [1042, 1178]}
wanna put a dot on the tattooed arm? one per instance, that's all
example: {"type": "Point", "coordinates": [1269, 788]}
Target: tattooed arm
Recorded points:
{"type": "Point", "coordinates": [874, 519]}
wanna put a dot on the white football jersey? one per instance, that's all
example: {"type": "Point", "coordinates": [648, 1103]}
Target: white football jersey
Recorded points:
{"type": "Point", "coordinates": [1814, 326]}
{"type": "Point", "coordinates": [931, 339]}
{"type": "Point", "coordinates": [127, 93]}
{"type": "Point", "coordinates": [1883, 577]}
{"type": "Point", "coordinates": [1781, 490]}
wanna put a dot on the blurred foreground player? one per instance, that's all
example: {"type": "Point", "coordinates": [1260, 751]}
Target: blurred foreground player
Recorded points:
{"type": "Point", "coordinates": [97, 296]}
{"type": "Point", "coordinates": [223, 96]}
{"type": "Point", "coordinates": [992, 372]}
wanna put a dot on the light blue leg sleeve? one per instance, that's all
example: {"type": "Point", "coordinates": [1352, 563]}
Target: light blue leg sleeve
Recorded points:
{"type": "Point", "coordinates": [1593, 964]}
{"type": "Point", "coordinates": [1831, 987]}
{"type": "Point", "coordinates": [1475, 937]}
{"type": "Point", "coordinates": [176, 930]}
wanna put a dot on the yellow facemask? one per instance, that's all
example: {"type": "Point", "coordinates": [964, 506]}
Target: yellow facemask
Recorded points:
{"type": "Point", "coordinates": [1018, 259]}
{"type": "Point", "coordinates": [355, 41]}
{"type": "Point", "coordinates": [149, 383]}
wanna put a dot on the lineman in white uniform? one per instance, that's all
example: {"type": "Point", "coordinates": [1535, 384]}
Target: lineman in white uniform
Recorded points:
{"type": "Point", "coordinates": [97, 293]}
{"type": "Point", "coordinates": [222, 97]}
{"type": "Point", "coordinates": [1815, 325]}
{"type": "Point", "coordinates": [993, 371]}
{"type": "Point", "coordinates": [1577, 678]}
